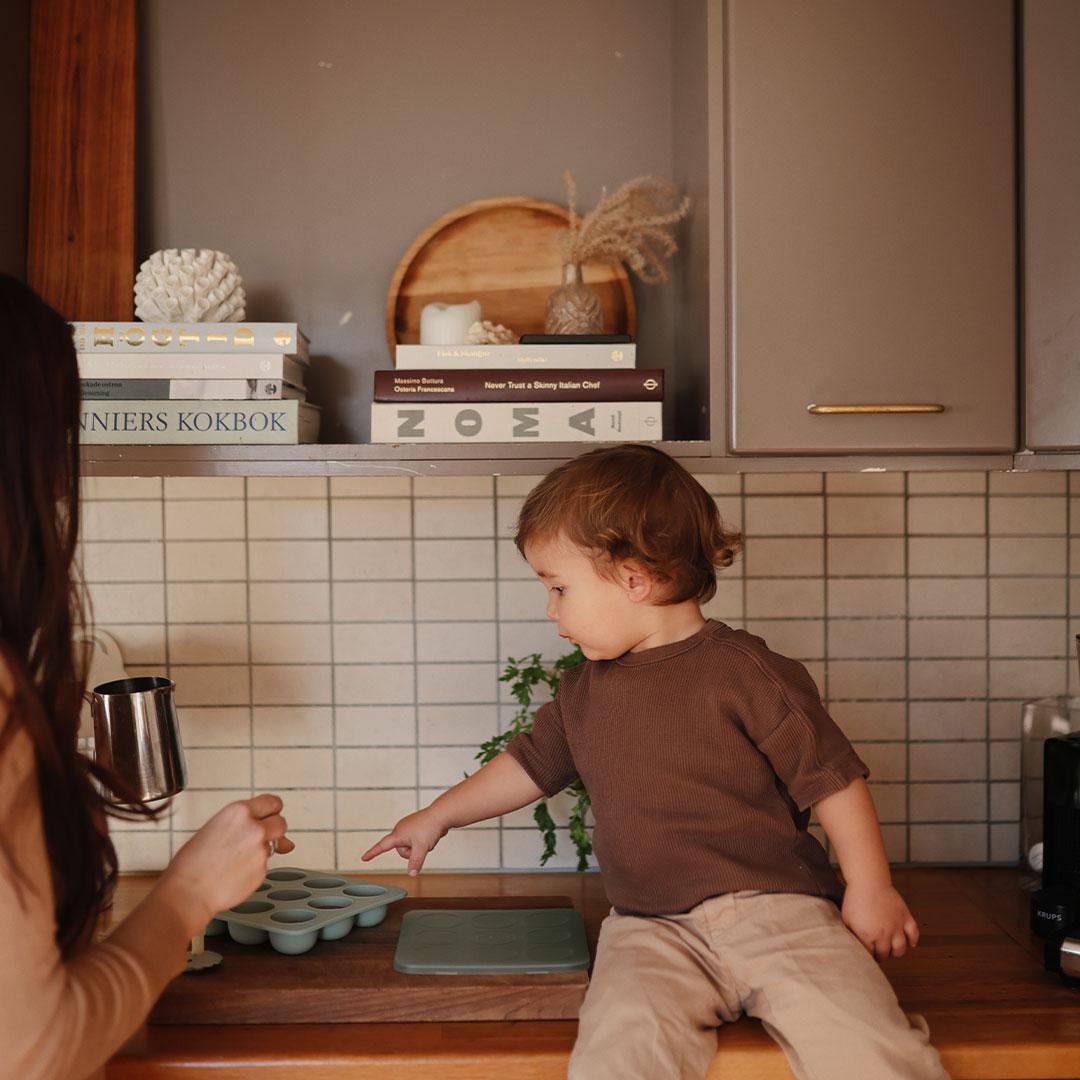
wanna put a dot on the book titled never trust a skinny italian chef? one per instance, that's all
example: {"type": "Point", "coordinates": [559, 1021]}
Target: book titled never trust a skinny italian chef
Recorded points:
{"type": "Point", "coordinates": [145, 423]}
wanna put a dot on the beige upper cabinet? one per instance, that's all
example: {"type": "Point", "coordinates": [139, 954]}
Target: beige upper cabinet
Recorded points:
{"type": "Point", "coordinates": [1052, 223]}
{"type": "Point", "coordinates": [871, 217]}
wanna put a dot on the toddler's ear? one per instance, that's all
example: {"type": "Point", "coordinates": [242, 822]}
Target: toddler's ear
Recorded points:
{"type": "Point", "coordinates": [639, 584]}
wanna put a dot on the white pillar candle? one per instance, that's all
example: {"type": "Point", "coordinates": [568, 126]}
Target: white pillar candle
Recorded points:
{"type": "Point", "coordinates": [445, 324]}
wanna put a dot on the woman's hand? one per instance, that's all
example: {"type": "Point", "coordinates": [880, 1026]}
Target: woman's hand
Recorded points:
{"type": "Point", "coordinates": [879, 918]}
{"type": "Point", "coordinates": [225, 861]}
{"type": "Point", "coordinates": [413, 836]}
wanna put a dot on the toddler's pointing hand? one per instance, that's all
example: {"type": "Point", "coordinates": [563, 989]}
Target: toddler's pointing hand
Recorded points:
{"type": "Point", "coordinates": [413, 837]}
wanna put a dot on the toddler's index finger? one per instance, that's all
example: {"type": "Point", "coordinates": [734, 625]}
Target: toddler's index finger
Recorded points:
{"type": "Point", "coordinates": [385, 844]}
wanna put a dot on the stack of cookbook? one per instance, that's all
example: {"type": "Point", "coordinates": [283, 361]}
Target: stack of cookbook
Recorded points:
{"type": "Point", "coordinates": [548, 388]}
{"type": "Point", "coordinates": [146, 383]}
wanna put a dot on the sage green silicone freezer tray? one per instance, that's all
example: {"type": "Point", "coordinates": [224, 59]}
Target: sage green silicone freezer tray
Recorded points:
{"type": "Point", "coordinates": [294, 908]}
{"type": "Point", "coordinates": [533, 940]}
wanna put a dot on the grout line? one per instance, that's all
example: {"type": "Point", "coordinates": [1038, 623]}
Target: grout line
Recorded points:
{"type": "Point", "coordinates": [1070, 643]}
{"type": "Point", "coordinates": [987, 669]}
{"type": "Point", "coordinates": [165, 632]}
{"type": "Point", "coordinates": [465, 745]}
{"type": "Point", "coordinates": [498, 646]}
{"type": "Point", "coordinates": [742, 529]}
{"type": "Point", "coordinates": [415, 643]}
{"type": "Point", "coordinates": [329, 504]}
{"type": "Point", "coordinates": [826, 617]}
{"type": "Point", "coordinates": [250, 658]}
{"type": "Point", "coordinates": [907, 672]}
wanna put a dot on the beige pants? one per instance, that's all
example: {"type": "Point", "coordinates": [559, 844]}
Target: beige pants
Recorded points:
{"type": "Point", "coordinates": [661, 987]}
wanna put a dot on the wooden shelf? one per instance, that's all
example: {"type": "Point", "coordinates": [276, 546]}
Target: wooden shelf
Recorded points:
{"type": "Point", "coordinates": [347, 459]}
{"type": "Point", "coordinates": [490, 459]}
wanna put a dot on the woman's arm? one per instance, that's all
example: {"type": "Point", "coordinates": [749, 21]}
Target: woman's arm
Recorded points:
{"type": "Point", "coordinates": [57, 1018]}
{"type": "Point", "coordinates": [65, 1017]}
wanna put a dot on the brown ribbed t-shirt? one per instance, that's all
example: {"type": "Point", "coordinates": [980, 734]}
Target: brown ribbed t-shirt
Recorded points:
{"type": "Point", "coordinates": [702, 759]}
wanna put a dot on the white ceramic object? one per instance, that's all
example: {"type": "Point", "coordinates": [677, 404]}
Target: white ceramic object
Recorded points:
{"type": "Point", "coordinates": [189, 285]}
{"type": "Point", "coordinates": [447, 324]}
{"type": "Point", "coordinates": [1035, 857]}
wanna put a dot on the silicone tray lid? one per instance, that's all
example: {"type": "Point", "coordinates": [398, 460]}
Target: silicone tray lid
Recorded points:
{"type": "Point", "coordinates": [534, 940]}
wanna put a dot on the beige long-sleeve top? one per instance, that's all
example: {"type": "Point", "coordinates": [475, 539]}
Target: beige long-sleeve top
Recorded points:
{"type": "Point", "coordinates": [62, 1020]}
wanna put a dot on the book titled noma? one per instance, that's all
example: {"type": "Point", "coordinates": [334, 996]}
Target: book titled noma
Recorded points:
{"type": "Point", "coordinates": [134, 422]}
{"type": "Point", "coordinates": [499, 421]}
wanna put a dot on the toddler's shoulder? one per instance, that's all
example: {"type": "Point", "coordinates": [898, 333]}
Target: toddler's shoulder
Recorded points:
{"type": "Point", "coordinates": [741, 647]}
{"type": "Point", "coordinates": [749, 658]}
{"type": "Point", "coordinates": [574, 679]}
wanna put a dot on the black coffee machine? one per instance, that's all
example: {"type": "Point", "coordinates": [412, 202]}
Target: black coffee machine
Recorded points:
{"type": "Point", "coordinates": [1055, 908]}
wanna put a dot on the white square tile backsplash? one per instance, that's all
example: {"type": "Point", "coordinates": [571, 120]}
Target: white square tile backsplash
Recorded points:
{"type": "Point", "coordinates": [190, 560]}
{"type": "Point", "coordinates": [203, 519]}
{"type": "Point", "coordinates": [341, 640]}
{"type": "Point", "coordinates": [865, 515]}
{"type": "Point", "coordinates": [782, 483]}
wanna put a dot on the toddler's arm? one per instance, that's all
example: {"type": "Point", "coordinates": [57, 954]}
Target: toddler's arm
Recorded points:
{"type": "Point", "coordinates": [873, 910]}
{"type": "Point", "coordinates": [500, 787]}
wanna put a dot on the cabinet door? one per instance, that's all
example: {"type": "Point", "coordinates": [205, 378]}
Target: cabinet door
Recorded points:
{"type": "Point", "coordinates": [872, 224]}
{"type": "Point", "coordinates": [1052, 222]}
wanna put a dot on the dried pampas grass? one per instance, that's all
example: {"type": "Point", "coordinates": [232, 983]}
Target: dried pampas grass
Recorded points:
{"type": "Point", "coordinates": [634, 224]}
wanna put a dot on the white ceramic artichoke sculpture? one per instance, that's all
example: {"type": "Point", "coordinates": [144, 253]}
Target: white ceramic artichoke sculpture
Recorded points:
{"type": "Point", "coordinates": [189, 286]}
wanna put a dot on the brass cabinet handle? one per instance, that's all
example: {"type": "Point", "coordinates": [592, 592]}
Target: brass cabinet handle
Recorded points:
{"type": "Point", "coordinates": [832, 410]}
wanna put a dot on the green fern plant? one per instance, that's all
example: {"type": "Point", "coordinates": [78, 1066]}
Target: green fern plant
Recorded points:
{"type": "Point", "coordinates": [524, 676]}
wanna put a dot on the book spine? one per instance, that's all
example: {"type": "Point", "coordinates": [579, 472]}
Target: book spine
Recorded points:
{"type": "Point", "coordinates": [553, 421]}
{"type": "Point", "coordinates": [139, 337]}
{"type": "Point", "coordinates": [187, 390]}
{"type": "Point", "coordinates": [552, 384]}
{"type": "Point", "coordinates": [460, 357]}
{"type": "Point", "coordinates": [191, 366]}
{"type": "Point", "coordinates": [177, 422]}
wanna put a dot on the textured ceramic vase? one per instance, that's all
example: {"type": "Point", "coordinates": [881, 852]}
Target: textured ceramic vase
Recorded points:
{"type": "Point", "coordinates": [573, 308]}
{"type": "Point", "coordinates": [189, 285]}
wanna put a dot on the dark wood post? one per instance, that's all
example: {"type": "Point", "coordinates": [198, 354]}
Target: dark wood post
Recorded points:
{"type": "Point", "coordinates": [81, 244]}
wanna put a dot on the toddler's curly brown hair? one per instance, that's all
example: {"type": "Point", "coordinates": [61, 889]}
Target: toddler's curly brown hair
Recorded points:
{"type": "Point", "coordinates": [634, 502]}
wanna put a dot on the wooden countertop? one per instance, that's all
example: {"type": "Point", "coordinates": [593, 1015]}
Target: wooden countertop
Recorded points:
{"type": "Point", "coordinates": [977, 977]}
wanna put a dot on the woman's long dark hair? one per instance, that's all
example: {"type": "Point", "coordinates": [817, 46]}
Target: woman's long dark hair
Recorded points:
{"type": "Point", "coordinates": [40, 604]}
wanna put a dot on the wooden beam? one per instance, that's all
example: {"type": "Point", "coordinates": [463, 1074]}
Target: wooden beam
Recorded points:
{"type": "Point", "coordinates": [81, 245]}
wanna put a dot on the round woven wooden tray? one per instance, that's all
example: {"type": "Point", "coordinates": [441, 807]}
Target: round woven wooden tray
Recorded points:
{"type": "Point", "coordinates": [501, 252]}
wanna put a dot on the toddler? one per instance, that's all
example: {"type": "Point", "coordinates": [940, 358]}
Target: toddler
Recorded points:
{"type": "Point", "coordinates": [703, 752]}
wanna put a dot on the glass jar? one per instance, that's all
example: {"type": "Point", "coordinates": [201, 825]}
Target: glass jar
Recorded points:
{"type": "Point", "coordinates": [1039, 721]}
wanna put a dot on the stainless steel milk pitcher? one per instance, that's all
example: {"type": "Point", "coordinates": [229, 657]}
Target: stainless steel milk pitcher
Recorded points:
{"type": "Point", "coordinates": [136, 735]}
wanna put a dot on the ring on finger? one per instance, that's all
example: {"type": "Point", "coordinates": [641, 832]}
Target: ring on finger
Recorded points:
{"type": "Point", "coordinates": [271, 846]}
